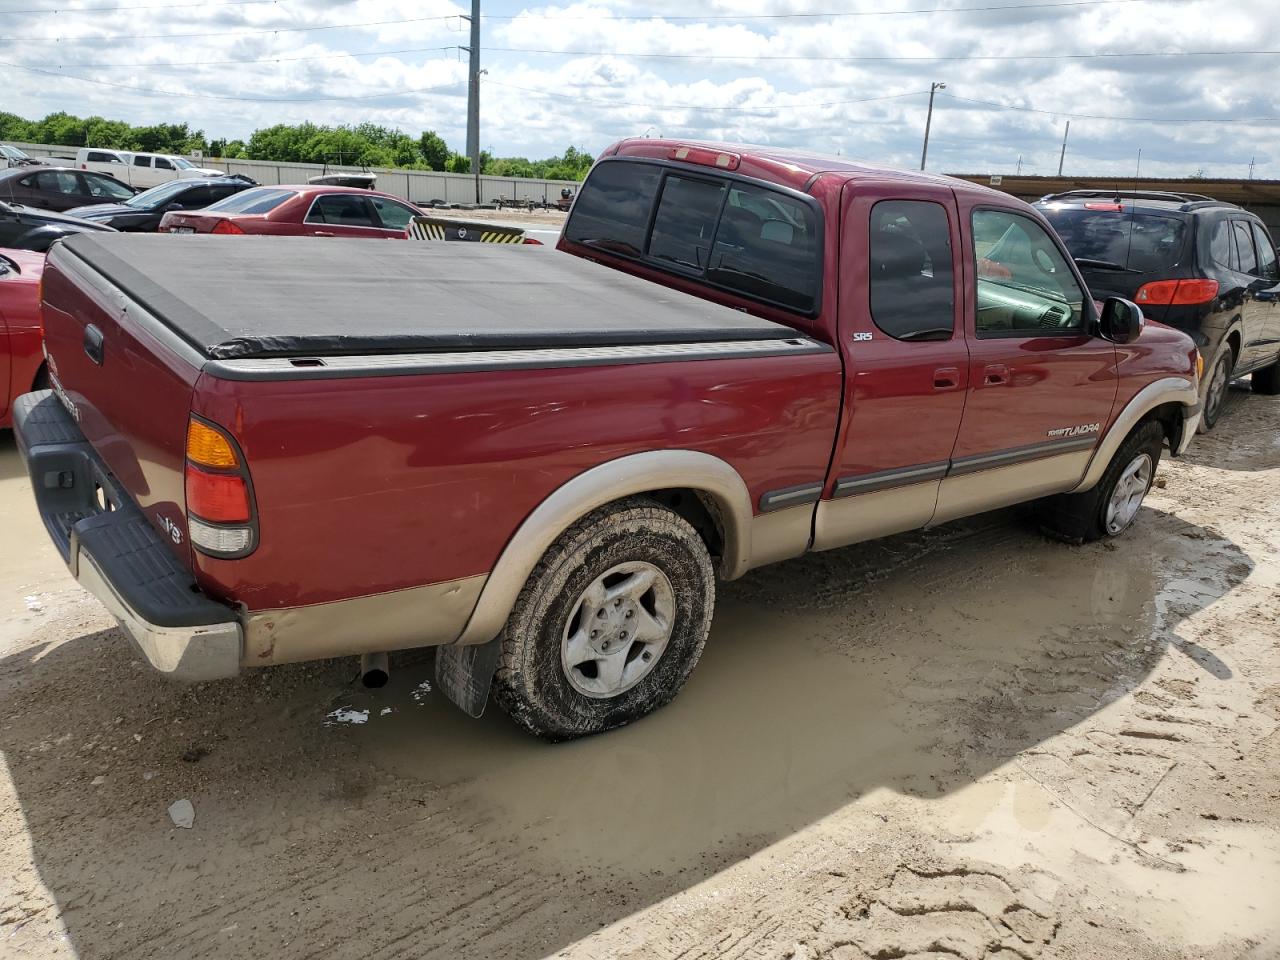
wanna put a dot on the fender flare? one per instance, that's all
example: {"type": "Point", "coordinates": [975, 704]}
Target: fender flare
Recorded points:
{"type": "Point", "coordinates": [1166, 390]}
{"type": "Point", "coordinates": [602, 484]}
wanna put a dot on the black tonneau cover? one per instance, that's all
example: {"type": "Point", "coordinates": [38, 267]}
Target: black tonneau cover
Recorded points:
{"type": "Point", "coordinates": [251, 296]}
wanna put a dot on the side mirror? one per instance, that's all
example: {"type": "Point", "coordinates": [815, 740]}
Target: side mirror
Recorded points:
{"type": "Point", "coordinates": [1121, 321]}
{"type": "Point", "coordinates": [175, 205]}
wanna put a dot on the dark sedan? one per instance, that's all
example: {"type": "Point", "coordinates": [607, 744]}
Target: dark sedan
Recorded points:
{"type": "Point", "coordinates": [142, 213]}
{"type": "Point", "coordinates": [60, 188]}
{"type": "Point", "coordinates": [26, 228]}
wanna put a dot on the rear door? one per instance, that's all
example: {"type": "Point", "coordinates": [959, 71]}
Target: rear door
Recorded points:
{"type": "Point", "coordinates": [342, 215]}
{"type": "Point", "coordinates": [1041, 387]}
{"type": "Point", "coordinates": [906, 361]}
{"type": "Point", "coordinates": [1258, 307]}
{"type": "Point", "coordinates": [1269, 271]}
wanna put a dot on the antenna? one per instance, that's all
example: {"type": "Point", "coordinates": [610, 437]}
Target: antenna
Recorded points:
{"type": "Point", "coordinates": [1133, 207]}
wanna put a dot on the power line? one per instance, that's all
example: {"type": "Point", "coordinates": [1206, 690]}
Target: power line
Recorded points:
{"type": "Point", "coordinates": [872, 59]}
{"type": "Point", "coordinates": [213, 96]}
{"type": "Point", "coordinates": [221, 33]}
{"type": "Point", "coordinates": [694, 106]}
{"type": "Point", "coordinates": [850, 13]}
{"type": "Point", "coordinates": [1089, 116]}
{"type": "Point", "coordinates": [148, 6]}
{"type": "Point", "coordinates": [208, 63]}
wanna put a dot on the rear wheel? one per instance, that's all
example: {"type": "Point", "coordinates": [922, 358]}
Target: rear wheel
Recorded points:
{"type": "Point", "coordinates": [609, 624]}
{"type": "Point", "coordinates": [1110, 508]}
{"type": "Point", "coordinates": [1215, 394]}
{"type": "Point", "coordinates": [1267, 380]}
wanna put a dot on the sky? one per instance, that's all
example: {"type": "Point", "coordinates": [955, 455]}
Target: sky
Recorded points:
{"type": "Point", "coordinates": [851, 78]}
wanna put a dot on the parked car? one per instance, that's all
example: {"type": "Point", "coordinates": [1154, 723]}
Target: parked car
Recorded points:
{"type": "Point", "coordinates": [141, 170]}
{"type": "Point", "coordinates": [301, 210]}
{"type": "Point", "coordinates": [1194, 263]}
{"type": "Point", "coordinates": [11, 156]}
{"type": "Point", "coordinates": [143, 212]}
{"type": "Point", "coordinates": [319, 449]}
{"type": "Point", "coordinates": [21, 353]}
{"type": "Point", "coordinates": [27, 228]}
{"type": "Point", "coordinates": [60, 188]}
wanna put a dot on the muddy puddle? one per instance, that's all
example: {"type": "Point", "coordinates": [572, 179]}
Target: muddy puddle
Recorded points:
{"type": "Point", "coordinates": [792, 714]}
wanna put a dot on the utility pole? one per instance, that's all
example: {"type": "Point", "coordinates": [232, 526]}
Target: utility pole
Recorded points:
{"type": "Point", "coordinates": [1251, 163]}
{"type": "Point", "coordinates": [1019, 173]}
{"type": "Point", "coordinates": [924, 154]}
{"type": "Point", "coordinates": [473, 96]}
{"type": "Point", "coordinates": [1063, 156]}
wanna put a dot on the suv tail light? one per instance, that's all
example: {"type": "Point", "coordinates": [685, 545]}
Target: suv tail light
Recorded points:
{"type": "Point", "coordinates": [222, 518]}
{"type": "Point", "coordinates": [225, 226]}
{"type": "Point", "coordinates": [1177, 292]}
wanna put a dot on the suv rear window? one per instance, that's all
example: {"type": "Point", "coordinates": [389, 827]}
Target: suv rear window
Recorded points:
{"type": "Point", "coordinates": [261, 200]}
{"type": "Point", "coordinates": [1143, 242]}
{"type": "Point", "coordinates": [751, 240]}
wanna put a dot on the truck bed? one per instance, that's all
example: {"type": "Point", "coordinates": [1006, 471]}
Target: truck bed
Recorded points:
{"type": "Point", "coordinates": [247, 296]}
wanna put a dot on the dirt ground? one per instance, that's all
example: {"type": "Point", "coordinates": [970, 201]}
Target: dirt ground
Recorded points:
{"type": "Point", "coordinates": [970, 742]}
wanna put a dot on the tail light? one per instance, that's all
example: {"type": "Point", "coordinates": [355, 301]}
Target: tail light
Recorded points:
{"type": "Point", "coordinates": [705, 157]}
{"type": "Point", "coordinates": [532, 240]}
{"type": "Point", "coordinates": [222, 518]}
{"type": "Point", "coordinates": [225, 226]}
{"type": "Point", "coordinates": [1177, 292]}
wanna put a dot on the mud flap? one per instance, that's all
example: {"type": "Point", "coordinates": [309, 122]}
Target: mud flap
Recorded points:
{"type": "Point", "coordinates": [464, 674]}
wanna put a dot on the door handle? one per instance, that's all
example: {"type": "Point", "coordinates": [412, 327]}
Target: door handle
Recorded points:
{"type": "Point", "coordinates": [946, 378]}
{"type": "Point", "coordinates": [93, 341]}
{"type": "Point", "coordinates": [995, 374]}
{"type": "Point", "coordinates": [322, 233]}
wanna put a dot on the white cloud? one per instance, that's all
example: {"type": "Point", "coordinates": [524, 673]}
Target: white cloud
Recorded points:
{"type": "Point", "coordinates": [538, 103]}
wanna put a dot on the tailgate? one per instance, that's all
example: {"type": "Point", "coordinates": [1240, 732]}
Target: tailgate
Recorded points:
{"type": "Point", "coordinates": [128, 383]}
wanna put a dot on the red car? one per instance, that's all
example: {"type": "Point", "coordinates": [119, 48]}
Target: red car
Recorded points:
{"type": "Point", "coordinates": [300, 211]}
{"type": "Point", "coordinates": [21, 354]}
{"type": "Point", "coordinates": [540, 464]}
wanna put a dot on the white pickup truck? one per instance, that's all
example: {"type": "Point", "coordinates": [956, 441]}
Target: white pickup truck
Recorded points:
{"type": "Point", "coordinates": [140, 170]}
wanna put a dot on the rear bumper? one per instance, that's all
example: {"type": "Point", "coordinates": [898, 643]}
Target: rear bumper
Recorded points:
{"type": "Point", "coordinates": [116, 554]}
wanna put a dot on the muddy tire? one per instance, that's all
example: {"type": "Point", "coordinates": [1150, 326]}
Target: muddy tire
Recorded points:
{"type": "Point", "coordinates": [1110, 507]}
{"type": "Point", "coordinates": [1267, 380]}
{"type": "Point", "coordinates": [1216, 389]}
{"type": "Point", "coordinates": [610, 623]}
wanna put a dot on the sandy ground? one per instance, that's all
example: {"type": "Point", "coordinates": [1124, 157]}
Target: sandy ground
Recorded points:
{"type": "Point", "coordinates": [971, 742]}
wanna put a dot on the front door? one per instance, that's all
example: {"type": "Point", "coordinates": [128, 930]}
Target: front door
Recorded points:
{"type": "Point", "coordinates": [1042, 387]}
{"type": "Point", "coordinates": [906, 361]}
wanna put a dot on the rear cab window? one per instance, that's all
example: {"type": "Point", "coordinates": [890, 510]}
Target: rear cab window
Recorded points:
{"type": "Point", "coordinates": [732, 234]}
{"type": "Point", "coordinates": [912, 279]}
{"type": "Point", "coordinates": [258, 200]}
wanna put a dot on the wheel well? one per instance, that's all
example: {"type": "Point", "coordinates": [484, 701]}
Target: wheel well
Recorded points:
{"type": "Point", "coordinates": [1169, 416]}
{"type": "Point", "coordinates": [700, 510]}
{"type": "Point", "coordinates": [1233, 341]}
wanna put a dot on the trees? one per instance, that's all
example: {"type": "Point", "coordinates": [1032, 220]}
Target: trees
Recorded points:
{"type": "Point", "coordinates": [365, 144]}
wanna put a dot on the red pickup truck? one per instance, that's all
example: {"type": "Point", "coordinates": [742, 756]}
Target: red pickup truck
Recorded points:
{"type": "Point", "coordinates": [260, 450]}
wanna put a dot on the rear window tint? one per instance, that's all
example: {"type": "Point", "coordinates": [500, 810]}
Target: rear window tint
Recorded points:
{"type": "Point", "coordinates": [751, 240]}
{"type": "Point", "coordinates": [262, 200]}
{"type": "Point", "coordinates": [912, 285]}
{"type": "Point", "coordinates": [1221, 248]}
{"type": "Point", "coordinates": [1147, 243]}
{"type": "Point", "coordinates": [1244, 248]}
{"type": "Point", "coordinates": [612, 209]}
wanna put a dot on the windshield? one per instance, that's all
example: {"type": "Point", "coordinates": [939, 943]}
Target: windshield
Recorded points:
{"type": "Point", "coordinates": [260, 200]}
{"type": "Point", "coordinates": [158, 196]}
{"type": "Point", "coordinates": [13, 153]}
{"type": "Point", "coordinates": [182, 164]}
{"type": "Point", "coordinates": [1141, 242]}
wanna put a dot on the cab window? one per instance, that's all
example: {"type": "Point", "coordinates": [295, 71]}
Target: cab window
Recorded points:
{"type": "Point", "coordinates": [1024, 285]}
{"type": "Point", "coordinates": [163, 164]}
{"type": "Point", "coordinates": [912, 281]}
{"type": "Point", "coordinates": [58, 181]}
{"type": "Point", "coordinates": [393, 216]}
{"type": "Point", "coordinates": [102, 186]}
{"type": "Point", "coordinates": [141, 161]}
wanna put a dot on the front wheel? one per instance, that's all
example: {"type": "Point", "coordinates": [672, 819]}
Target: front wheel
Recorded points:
{"type": "Point", "coordinates": [610, 623]}
{"type": "Point", "coordinates": [1110, 508]}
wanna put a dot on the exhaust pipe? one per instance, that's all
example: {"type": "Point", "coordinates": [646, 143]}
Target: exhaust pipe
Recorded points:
{"type": "Point", "coordinates": [374, 670]}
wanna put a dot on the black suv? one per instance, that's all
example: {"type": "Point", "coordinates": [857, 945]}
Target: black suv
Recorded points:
{"type": "Point", "coordinates": [142, 213]}
{"type": "Point", "coordinates": [1204, 266]}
